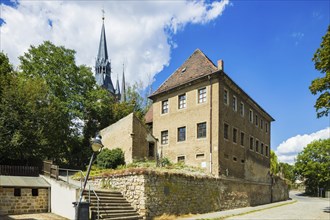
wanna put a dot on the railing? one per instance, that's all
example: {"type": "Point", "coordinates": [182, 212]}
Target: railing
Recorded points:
{"type": "Point", "coordinates": [8, 170]}
{"type": "Point", "coordinates": [98, 200]}
{"type": "Point", "coordinates": [82, 176]}
{"type": "Point", "coordinates": [50, 169]}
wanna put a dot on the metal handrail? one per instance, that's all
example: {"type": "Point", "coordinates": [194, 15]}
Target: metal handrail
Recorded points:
{"type": "Point", "coordinates": [82, 176]}
{"type": "Point", "coordinates": [98, 201]}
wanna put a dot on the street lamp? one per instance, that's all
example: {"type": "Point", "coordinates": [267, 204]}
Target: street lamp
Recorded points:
{"type": "Point", "coordinates": [82, 208]}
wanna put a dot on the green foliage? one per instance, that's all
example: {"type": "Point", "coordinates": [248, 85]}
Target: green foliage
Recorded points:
{"type": "Point", "coordinates": [164, 162]}
{"type": "Point", "coordinates": [110, 158]}
{"type": "Point", "coordinates": [274, 166]}
{"type": "Point", "coordinates": [313, 164]}
{"type": "Point", "coordinates": [287, 171]}
{"type": "Point", "coordinates": [322, 85]}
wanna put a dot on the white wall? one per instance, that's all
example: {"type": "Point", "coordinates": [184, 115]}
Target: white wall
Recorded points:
{"type": "Point", "coordinates": [62, 195]}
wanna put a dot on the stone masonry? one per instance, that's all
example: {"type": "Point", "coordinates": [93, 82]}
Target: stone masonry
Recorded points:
{"type": "Point", "coordinates": [153, 194]}
{"type": "Point", "coordinates": [26, 203]}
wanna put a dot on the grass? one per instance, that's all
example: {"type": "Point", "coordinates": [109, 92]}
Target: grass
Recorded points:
{"type": "Point", "coordinates": [144, 167]}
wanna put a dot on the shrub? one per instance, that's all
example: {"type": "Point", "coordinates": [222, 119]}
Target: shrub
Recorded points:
{"type": "Point", "coordinates": [110, 158]}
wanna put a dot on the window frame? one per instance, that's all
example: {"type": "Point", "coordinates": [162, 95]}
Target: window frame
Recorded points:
{"type": "Point", "coordinates": [203, 132]}
{"type": "Point", "coordinates": [234, 103]}
{"type": "Point", "coordinates": [251, 144]}
{"type": "Point", "coordinates": [180, 130]}
{"type": "Point", "coordinates": [164, 110]}
{"type": "Point", "coordinates": [242, 139]}
{"type": "Point", "coordinates": [182, 103]}
{"type": "Point", "coordinates": [180, 160]}
{"type": "Point", "coordinates": [257, 146]}
{"type": "Point", "coordinates": [242, 109]}
{"type": "Point", "coordinates": [226, 97]}
{"type": "Point", "coordinates": [164, 141]}
{"type": "Point", "coordinates": [201, 95]}
{"type": "Point", "coordinates": [251, 116]}
{"type": "Point", "coordinates": [235, 131]}
{"type": "Point", "coordinates": [226, 131]}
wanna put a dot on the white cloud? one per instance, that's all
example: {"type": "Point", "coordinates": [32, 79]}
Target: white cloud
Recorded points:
{"type": "Point", "coordinates": [297, 37]}
{"type": "Point", "coordinates": [288, 150]}
{"type": "Point", "coordinates": [138, 33]}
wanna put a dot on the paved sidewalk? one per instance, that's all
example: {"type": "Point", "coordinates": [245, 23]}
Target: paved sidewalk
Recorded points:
{"type": "Point", "coordinates": [38, 216]}
{"type": "Point", "coordinates": [240, 211]}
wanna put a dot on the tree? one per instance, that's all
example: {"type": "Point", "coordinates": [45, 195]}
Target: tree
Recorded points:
{"type": "Point", "coordinates": [50, 108]}
{"type": "Point", "coordinates": [313, 164]}
{"type": "Point", "coordinates": [274, 166]}
{"type": "Point", "coordinates": [287, 171]}
{"type": "Point", "coordinates": [322, 85]}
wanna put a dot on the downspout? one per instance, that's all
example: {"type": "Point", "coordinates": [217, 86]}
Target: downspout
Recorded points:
{"type": "Point", "coordinates": [209, 77]}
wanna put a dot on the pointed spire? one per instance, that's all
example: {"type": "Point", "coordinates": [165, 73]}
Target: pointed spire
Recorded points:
{"type": "Point", "coordinates": [102, 55]}
{"type": "Point", "coordinates": [117, 88]}
{"type": "Point", "coordinates": [123, 88]}
{"type": "Point", "coordinates": [102, 64]}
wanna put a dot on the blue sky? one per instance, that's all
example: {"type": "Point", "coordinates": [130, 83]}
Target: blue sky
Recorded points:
{"type": "Point", "coordinates": [267, 48]}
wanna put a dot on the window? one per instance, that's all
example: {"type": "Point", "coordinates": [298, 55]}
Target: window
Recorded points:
{"type": "Point", "coordinates": [17, 191]}
{"type": "Point", "coordinates": [257, 120]}
{"type": "Point", "coordinates": [242, 138]}
{"type": "Point", "coordinates": [251, 116]}
{"type": "Point", "coordinates": [251, 143]}
{"type": "Point", "coordinates": [234, 135]}
{"type": "Point", "coordinates": [257, 146]}
{"type": "Point", "coordinates": [164, 137]}
{"type": "Point", "coordinates": [164, 106]}
{"type": "Point", "coordinates": [200, 156]}
{"type": "Point", "coordinates": [201, 130]}
{"type": "Point", "coordinates": [266, 151]}
{"type": "Point", "coordinates": [35, 192]}
{"type": "Point", "coordinates": [181, 159]}
{"type": "Point", "coordinates": [234, 103]}
{"type": "Point", "coordinates": [235, 159]}
{"type": "Point", "coordinates": [225, 97]}
{"type": "Point", "coordinates": [182, 101]}
{"type": "Point", "coordinates": [262, 148]}
{"type": "Point", "coordinates": [241, 109]}
{"type": "Point", "coordinates": [266, 125]}
{"type": "Point", "coordinates": [182, 134]}
{"type": "Point", "coordinates": [202, 95]}
{"type": "Point", "coordinates": [261, 123]}
{"type": "Point", "coordinates": [225, 131]}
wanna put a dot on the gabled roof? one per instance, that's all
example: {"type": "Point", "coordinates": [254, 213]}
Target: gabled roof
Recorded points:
{"type": "Point", "coordinates": [196, 66]}
{"type": "Point", "coordinates": [149, 115]}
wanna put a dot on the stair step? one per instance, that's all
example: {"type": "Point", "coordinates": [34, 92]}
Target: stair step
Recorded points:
{"type": "Point", "coordinates": [111, 215]}
{"type": "Point", "coordinates": [108, 198]}
{"type": "Point", "coordinates": [136, 217]}
{"type": "Point", "coordinates": [113, 208]}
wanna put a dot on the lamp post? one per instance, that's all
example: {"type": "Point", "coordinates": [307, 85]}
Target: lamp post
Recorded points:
{"type": "Point", "coordinates": [82, 208]}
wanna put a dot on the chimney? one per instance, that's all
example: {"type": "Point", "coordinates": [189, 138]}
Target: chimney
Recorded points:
{"type": "Point", "coordinates": [220, 65]}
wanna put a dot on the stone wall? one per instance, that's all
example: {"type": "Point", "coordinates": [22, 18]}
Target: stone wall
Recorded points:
{"type": "Point", "coordinates": [153, 194]}
{"type": "Point", "coordinates": [280, 190]}
{"type": "Point", "coordinates": [26, 203]}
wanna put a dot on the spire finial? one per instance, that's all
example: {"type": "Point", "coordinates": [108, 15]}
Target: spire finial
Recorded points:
{"type": "Point", "coordinates": [103, 12]}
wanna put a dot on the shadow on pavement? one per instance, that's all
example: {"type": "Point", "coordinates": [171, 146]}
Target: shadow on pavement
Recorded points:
{"type": "Point", "coordinates": [327, 209]}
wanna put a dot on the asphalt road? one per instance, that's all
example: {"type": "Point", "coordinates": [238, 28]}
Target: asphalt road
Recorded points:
{"type": "Point", "coordinates": [306, 208]}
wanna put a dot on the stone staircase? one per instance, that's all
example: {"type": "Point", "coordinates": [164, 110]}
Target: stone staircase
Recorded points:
{"type": "Point", "coordinates": [112, 205]}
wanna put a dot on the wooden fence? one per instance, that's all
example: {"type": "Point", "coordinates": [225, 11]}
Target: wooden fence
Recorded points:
{"type": "Point", "coordinates": [50, 169]}
{"type": "Point", "coordinates": [8, 170]}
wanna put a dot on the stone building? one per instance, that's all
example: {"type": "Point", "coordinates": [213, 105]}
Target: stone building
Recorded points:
{"type": "Point", "coordinates": [23, 194]}
{"type": "Point", "coordinates": [203, 118]}
{"type": "Point", "coordinates": [131, 135]}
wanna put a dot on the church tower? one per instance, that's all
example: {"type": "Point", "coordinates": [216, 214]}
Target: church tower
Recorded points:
{"type": "Point", "coordinates": [103, 65]}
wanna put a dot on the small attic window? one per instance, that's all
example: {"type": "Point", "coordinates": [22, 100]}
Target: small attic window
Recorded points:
{"type": "Point", "coordinates": [184, 70]}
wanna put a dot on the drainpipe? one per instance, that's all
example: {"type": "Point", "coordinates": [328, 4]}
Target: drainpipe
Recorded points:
{"type": "Point", "coordinates": [209, 77]}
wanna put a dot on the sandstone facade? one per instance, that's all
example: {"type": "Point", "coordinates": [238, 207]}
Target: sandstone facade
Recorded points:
{"type": "Point", "coordinates": [27, 202]}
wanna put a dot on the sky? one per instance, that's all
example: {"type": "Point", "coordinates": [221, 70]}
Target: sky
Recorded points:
{"type": "Point", "coordinates": [267, 47]}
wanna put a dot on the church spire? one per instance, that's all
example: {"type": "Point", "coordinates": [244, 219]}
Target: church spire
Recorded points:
{"type": "Point", "coordinates": [118, 89]}
{"type": "Point", "coordinates": [103, 65]}
{"type": "Point", "coordinates": [123, 88]}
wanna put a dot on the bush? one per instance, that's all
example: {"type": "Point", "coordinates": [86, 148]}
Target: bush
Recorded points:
{"type": "Point", "coordinates": [110, 158]}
